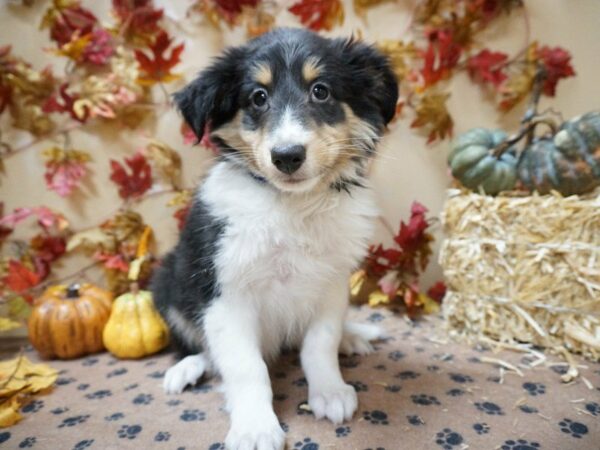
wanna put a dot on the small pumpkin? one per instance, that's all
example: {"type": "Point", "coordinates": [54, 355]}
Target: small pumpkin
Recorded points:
{"type": "Point", "coordinates": [135, 328]}
{"type": "Point", "coordinates": [474, 165]}
{"type": "Point", "coordinates": [67, 321]}
{"type": "Point", "coordinates": [568, 162]}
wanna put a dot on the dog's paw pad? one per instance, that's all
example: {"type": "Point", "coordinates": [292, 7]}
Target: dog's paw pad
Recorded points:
{"type": "Point", "coordinates": [187, 371]}
{"type": "Point", "coordinates": [336, 404]}
{"type": "Point", "coordinates": [258, 437]}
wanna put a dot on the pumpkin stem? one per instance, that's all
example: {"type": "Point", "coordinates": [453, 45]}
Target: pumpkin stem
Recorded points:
{"type": "Point", "coordinates": [73, 290]}
{"type": "Point", "coordinates": [134, 287]}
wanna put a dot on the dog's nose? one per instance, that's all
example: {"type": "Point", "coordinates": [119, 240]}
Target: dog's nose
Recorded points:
{"type": "Point", "coordinates": [288, 159]}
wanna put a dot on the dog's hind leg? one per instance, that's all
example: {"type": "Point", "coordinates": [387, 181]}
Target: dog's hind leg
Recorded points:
{"type": "Point", "coordinates": [187, 371]}
{"type": "Point", "coordinates": [357, 337]}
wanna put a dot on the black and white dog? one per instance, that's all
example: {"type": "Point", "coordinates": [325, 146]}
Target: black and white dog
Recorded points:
{"type": "Point", "coordinates": [278, 224]}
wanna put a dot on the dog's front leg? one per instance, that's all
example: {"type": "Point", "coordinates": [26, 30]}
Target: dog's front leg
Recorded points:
{"type": "Point", "coordinates": [328, 395]}
{"type": "Point", "coordinates": [233, 335]}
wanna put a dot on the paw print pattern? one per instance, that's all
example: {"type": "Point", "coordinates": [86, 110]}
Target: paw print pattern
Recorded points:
{"type": "Point", "coordinates": [342, 431]}
{"type": "Point", "coordinates": [103, 393]}
{"type": "Point", "coordinates": [33, 406]}
{"type": "Point", "coordinates": [519, 444]}
{"type": "Point", "coordinates": [83, 386]}
{"type": "Point", "coordinates": [575, 429]}
{"type": "Point", "coordinates": [192, 415]}
{"type": "Point", "coordinates": [456, 392]}
{"type": "Point", "coordinates": [156, 374]}
{"type": "Point", "coordinates": [129, 431]}
{"type": "Point", "coordinates": [162, 436]}
{"type": "Point", "coordinates": [63, 381]}
{"type": "Point", "coordinates": [489, 408]}
{"type": "Point", "coordinates": [116, 372]}
{"type": "Point", "coordinates": [28, 442]}
{"type": "Point", "coordinates": [90, 361]}
{"type": "Point", "coordinates": [376, 417]}
{"type": "Point", "coordinates": [59, 410]}
{"type": "Point", "coordinates": [460, 378]}
{"type": "Point", "coordinates": [131, 386]}
{"type": "Point", "coordinates": [481, 428]}
{"type": "Point", "coordinates": [4, 436]}
{"type": "Point", "coordinates": [359, 386]}
{"type": "Point", "coordinates": [407, 375]}
{"type": "Point", "coordinates": [448, 439]}
{"type": "Point", "coordinates": [534, 389]}
{"type": "Point", "coordinates": [593, 408]}
{"type": "Point", "coordinates": [217, 446]}
{"type": "Point", "coordinates": [393, 388]}
{"type": "Point", "coordinates": [143, 399]}
{"type": "Point", "coordinates": [115, 416]}
{"type": "Point", "coordinates": [375, 317]}
{"type": "Point", "coordinates": [528, 409]}
{"type": "Point", "coordinates": [415, 420]}
{"type": "Point", "coordinates": [83, 444]}
{"type": "Point", "coordinates": [173, 402]}
{"type": "Point", "coordinates": [396, 355]}
{"type": "Point", "coordinates": [424, 399]}
{"type": "Point", "coordinates": [72, 421]}
{"type": "Point", "coordinates": [306, 444]}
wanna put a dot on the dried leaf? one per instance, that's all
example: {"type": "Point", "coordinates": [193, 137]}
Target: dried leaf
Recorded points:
{"type": "Point", "coordinates": [433, 115]}
{"type": "Point", "coordinates": [519, 83]}
{"type": "Point", "coordinates": [20, 278]}
{"type": "Point", "coordinates": [157, 67]}
{"type": "Point", "coordinates": [67, 19]}
{"type": "Point", "coordinates": [441, 56]}
{"type": "Point", "coordinates": [400, 55]}
{"type": "Point", "coordinates": [557, 62]}
{"type": "Point", "coordinates": [377, 298]}
{"type": "Point", "coordinates": [488, 67]}
{"type": "Point", "coordinates": [9, 412]}
{"type": "Point", "coordinates": [138, 20]}
{"type": "Point", "coordinates": [7, 324]}
{"type": "Point", "coordinates": [356, 281]}
{"type": "Point", "coordinates": [91, 240]}
{"type": "Point", "coordinates": [65, 169]}
{"type": "Point", "coordinates": [137, 181]}
{"type": "Point", "coordinates": [319, 14]}
{"type": "Point", "coordinates": [165, 159]}
{"type": "Point", "coordinates": [20, 375]}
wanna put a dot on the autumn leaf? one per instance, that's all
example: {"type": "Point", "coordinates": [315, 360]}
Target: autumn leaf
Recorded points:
{"type": "Point", "coordinates": [488, 67]}
{"type": "Point", "coordinates": [7, 324]}
{"type": "Point", "coordinates": [64, 169]}
{"type": "Point", "coordinates": [400, 55]}
{"type": "Point", "coordinates": [319, 14]}
{"type": "Point", "coordinates": [99, 48]}
{"type": "Point", "coordinates": [165, 159]}
{"type": "Point", "coordinates": [48, 248]}
{"type": "Point", "coordinates": [519, 83]}
{"type": "Point", "coordinates": [113, 261]}
{"type": "Point", "coordinates": [557, 63]}
{"type": "Point", "coordinates": [20, 278]}
{"type": "Point", "coordinates": [64, 102]}
{"type": "Point", "coordinates": [157, 67]}
{"type": "Point", "coordinates": [433, 115]}
{"type": "Point", "coordinates": [258, 21]}
{"type": "Point", "coordinates": [437, 291]}
{"type": "Point", "coordinates": [137, 19]}
{"type": "Point", "coordinates": [440, 57]}
{"type": "Point", "coordinates": [137, 181]}
{"type": "Point", "coordinates": [67, 18]}
{"type": "Point", "coordinates": [183, 200]}
{"type": "Point", "coordinates": [361, 6]}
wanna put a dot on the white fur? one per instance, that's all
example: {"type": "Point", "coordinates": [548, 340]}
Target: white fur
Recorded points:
{"type": "Point", "coordinates": [187, 371]}
{"type": "Point", "coordinates": [283, 267]}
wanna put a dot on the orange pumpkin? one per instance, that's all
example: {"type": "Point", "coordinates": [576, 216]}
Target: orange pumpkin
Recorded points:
{"type": "Point", "coordinates": [67, 322]}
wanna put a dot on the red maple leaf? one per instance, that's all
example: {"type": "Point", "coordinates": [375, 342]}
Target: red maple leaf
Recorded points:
{"type": "Point", "coordinates": [157, 67]}
{"type": "Point", "coordinates": [230, 9]}
{"type": "Point", "coordinates": [318, 14]}
{"type": "Point", "coordinates": [70, 21]}
{"type": "Point", "coordinates": [557, 62]}
{"type": "Point", "coordinates": [437, 291]}
{"type": "Point", "coordinates": [410, 236]}
{"type": "Point", "coordinates": [66, 106]}
{"type": "Point", "coordinates": [137, 16]}
{"type": "Point", "coordinates": [488, 67]}
{"type": "Point", "coordinates": [48, 248]}
{"type": "Point", "coordinates": [19, 278]}
{"type": "Point", "coordinates": [113, 261]}
{"type": "Point", "coordinates": [135, 183]}
{"type": "Point", "coordinates": [440, 58]}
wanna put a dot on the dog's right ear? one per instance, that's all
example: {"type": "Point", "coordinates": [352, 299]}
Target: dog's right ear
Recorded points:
{"type": "Point", "coordinates": [212, 98]}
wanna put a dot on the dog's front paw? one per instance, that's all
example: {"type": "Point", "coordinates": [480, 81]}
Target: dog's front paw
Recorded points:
{"type": "Point", "coordinates": [337, 403]}
{"type": "Point", "coordinates": [187, 371]}
{"type": "Point", "coordinates": [255, 432]}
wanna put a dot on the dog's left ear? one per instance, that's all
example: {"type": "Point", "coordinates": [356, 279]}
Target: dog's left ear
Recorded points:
{"type": "Point", "coordinates": [213, 96]}
{"type": "Point", "coordinates": [371, 70]}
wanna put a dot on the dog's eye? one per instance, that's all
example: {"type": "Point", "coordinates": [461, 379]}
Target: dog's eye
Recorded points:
{"type": "Point", "coordinates": [320, 92]}
{"type": "Point", "coordinates": [259, 98]}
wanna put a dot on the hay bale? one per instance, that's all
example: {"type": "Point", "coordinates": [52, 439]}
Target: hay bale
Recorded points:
{"type": "Point", "coordinates": [524, 269]}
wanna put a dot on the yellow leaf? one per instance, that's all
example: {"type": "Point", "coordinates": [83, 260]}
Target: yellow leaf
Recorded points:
{"type": "Point", "coordinates": [430, 306]}
{"type": "Point", "coordinates": [21, 375]}
{"type": "Point", "coordinates": [90, 239]}
{"type": "Point", "coordinates": [145, 240]}
{"type": "Point", "coordinates": [8, 324]}
{"type": "Point", "coordinates": [74, 49]}
{"type": "Point", "coordinates": [377, 297]}
{"type": "Point", "coordinates": [182, 198]}
{"type": "Point", "coordinates": [433, 114]}
{"type": "Point", "coordinates": [9, 412]}
{"type": "Point", "coordinates": [400, 54]}
{"type": "Point", "coordinates": [357, 281]}
{"type": "Point", "coordinates": [165, 159]}
{"type": "Point", "coordinates": [361, 6]}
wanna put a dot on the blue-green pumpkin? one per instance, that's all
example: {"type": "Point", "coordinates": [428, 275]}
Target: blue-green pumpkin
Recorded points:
{"type": "Point", "coordinates": [473, 164]}
{"type": "Point", "coordinates": [568, 162]}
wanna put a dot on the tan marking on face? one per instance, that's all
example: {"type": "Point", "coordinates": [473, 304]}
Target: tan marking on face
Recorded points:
{"type": "Point", "coordinates": [310, 69]}
{"type": "Point", "coordinates": [262, 74]}
{"type": "Point", "coordinates": [244, 141]}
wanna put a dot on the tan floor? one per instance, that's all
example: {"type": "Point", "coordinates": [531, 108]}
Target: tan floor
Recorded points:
{"type": "Point", "coordinates": [415, 393]}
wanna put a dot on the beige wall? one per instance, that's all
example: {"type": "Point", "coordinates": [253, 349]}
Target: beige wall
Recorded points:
{"type": "Point", "coordinates": [406, 170]}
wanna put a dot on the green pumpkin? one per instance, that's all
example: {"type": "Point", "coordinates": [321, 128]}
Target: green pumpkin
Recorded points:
{"type": "Point", "coordinates": [568, 162]}
{"type": "Point", "coordinates": [472, 163]}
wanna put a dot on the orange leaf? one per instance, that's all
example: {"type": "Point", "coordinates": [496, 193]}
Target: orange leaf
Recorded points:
{"type": "Point", "coordinates": [319, 14]}
{"type": "Point", "coordinates": [157, 67]}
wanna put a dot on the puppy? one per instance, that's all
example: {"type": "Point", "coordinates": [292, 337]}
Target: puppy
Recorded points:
{"type": "Point", "coordinates": [278, 224]}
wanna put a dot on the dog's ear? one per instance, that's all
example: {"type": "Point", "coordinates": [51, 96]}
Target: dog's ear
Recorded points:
{"type": "Point", "coordinates": [372, 73]}
{"type": "Point", "coordinates": [212, 98]}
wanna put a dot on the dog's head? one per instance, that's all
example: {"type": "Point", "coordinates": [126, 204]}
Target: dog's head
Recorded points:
{"type": "Point", "coordinates": [295, 108]}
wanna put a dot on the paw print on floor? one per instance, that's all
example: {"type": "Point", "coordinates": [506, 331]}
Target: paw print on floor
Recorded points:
{"type": "Point", "coordinates": [131, 386]}
{"type": "Point", "coordinates": [63, 381]}
{"type": "Point", "coordinates": [156, 374]}
{"type": "Point", "coordinates": [129, 431]}
{"type": "Point", "coordinates": [575, 429]}
{"type": "Point", "coordinates": [396, 355]}
{"type": "Point", "coordinates": [28, 442]}
{"type": "Point", "coordinates": [59, 410]}
{"type": "Point", "coordinates": [393, 388]}
{"type": "Point", "coordinates": [376, 417]}
{"type": "Point", "coordinates": [489, 408]}
{"type": "Point", "coordinates": [342, 431]}
{"type": "Point", "coordinates": [534, 388]}
{"type": "Point", "coordinates": [162, 436]}
{"type": "Point", "coordinates": [306, 444]}
{"type": "Point", "coordinates": [33, 406]}
{"type": "Point", "coordinates": [72, 421]}
{"type": "Point", "coordinates": [83, 444]}
{"type": "Point", "coordinates": [103, 393]}
{"type": "Point", "coordinates": [593, 408]}
{"type": "Point", "coordinates": [173, 402]}
{"type": "Point", "coordinates": [460, 378]}
{"type": "Point", "coordinates": [415, 420]}
{"type": "Point", "coordinates": [481, 428]}
{"type": "Point", "coordinates": [456, 392]}
{"type": "Point", "coordinates": [448, 439]}
{"type": "Point", "coordinates": [4, 436]}
{"type": "Point", "coordinates": [192, 415]}
{"type": "Point", "coordinates": [217, 446]}
{"type": "Point", "coordinates": [114, 416]}
{"type": "Point", "coordinates": [359, 386]}
{"type": "Point", "coordinates": [407, 375]}
{"type": "Point", "coordinates": [83, 386]}
{"type": "Point", "coordinates": [143, 399]}
{"type": "Point", "coordinates": [519, 444]}
{"type": "Point", "coordinates": [90, 361]}
{"type": "Point", "coordinates": [375, 317]}
{"type": "Point", "coordinates": [116, 372]}
{"type": "Point", "coordinates": [424, 399]}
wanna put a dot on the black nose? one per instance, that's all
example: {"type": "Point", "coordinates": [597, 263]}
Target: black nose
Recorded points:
{"type": "Point", "coordinates": [288, 159]}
